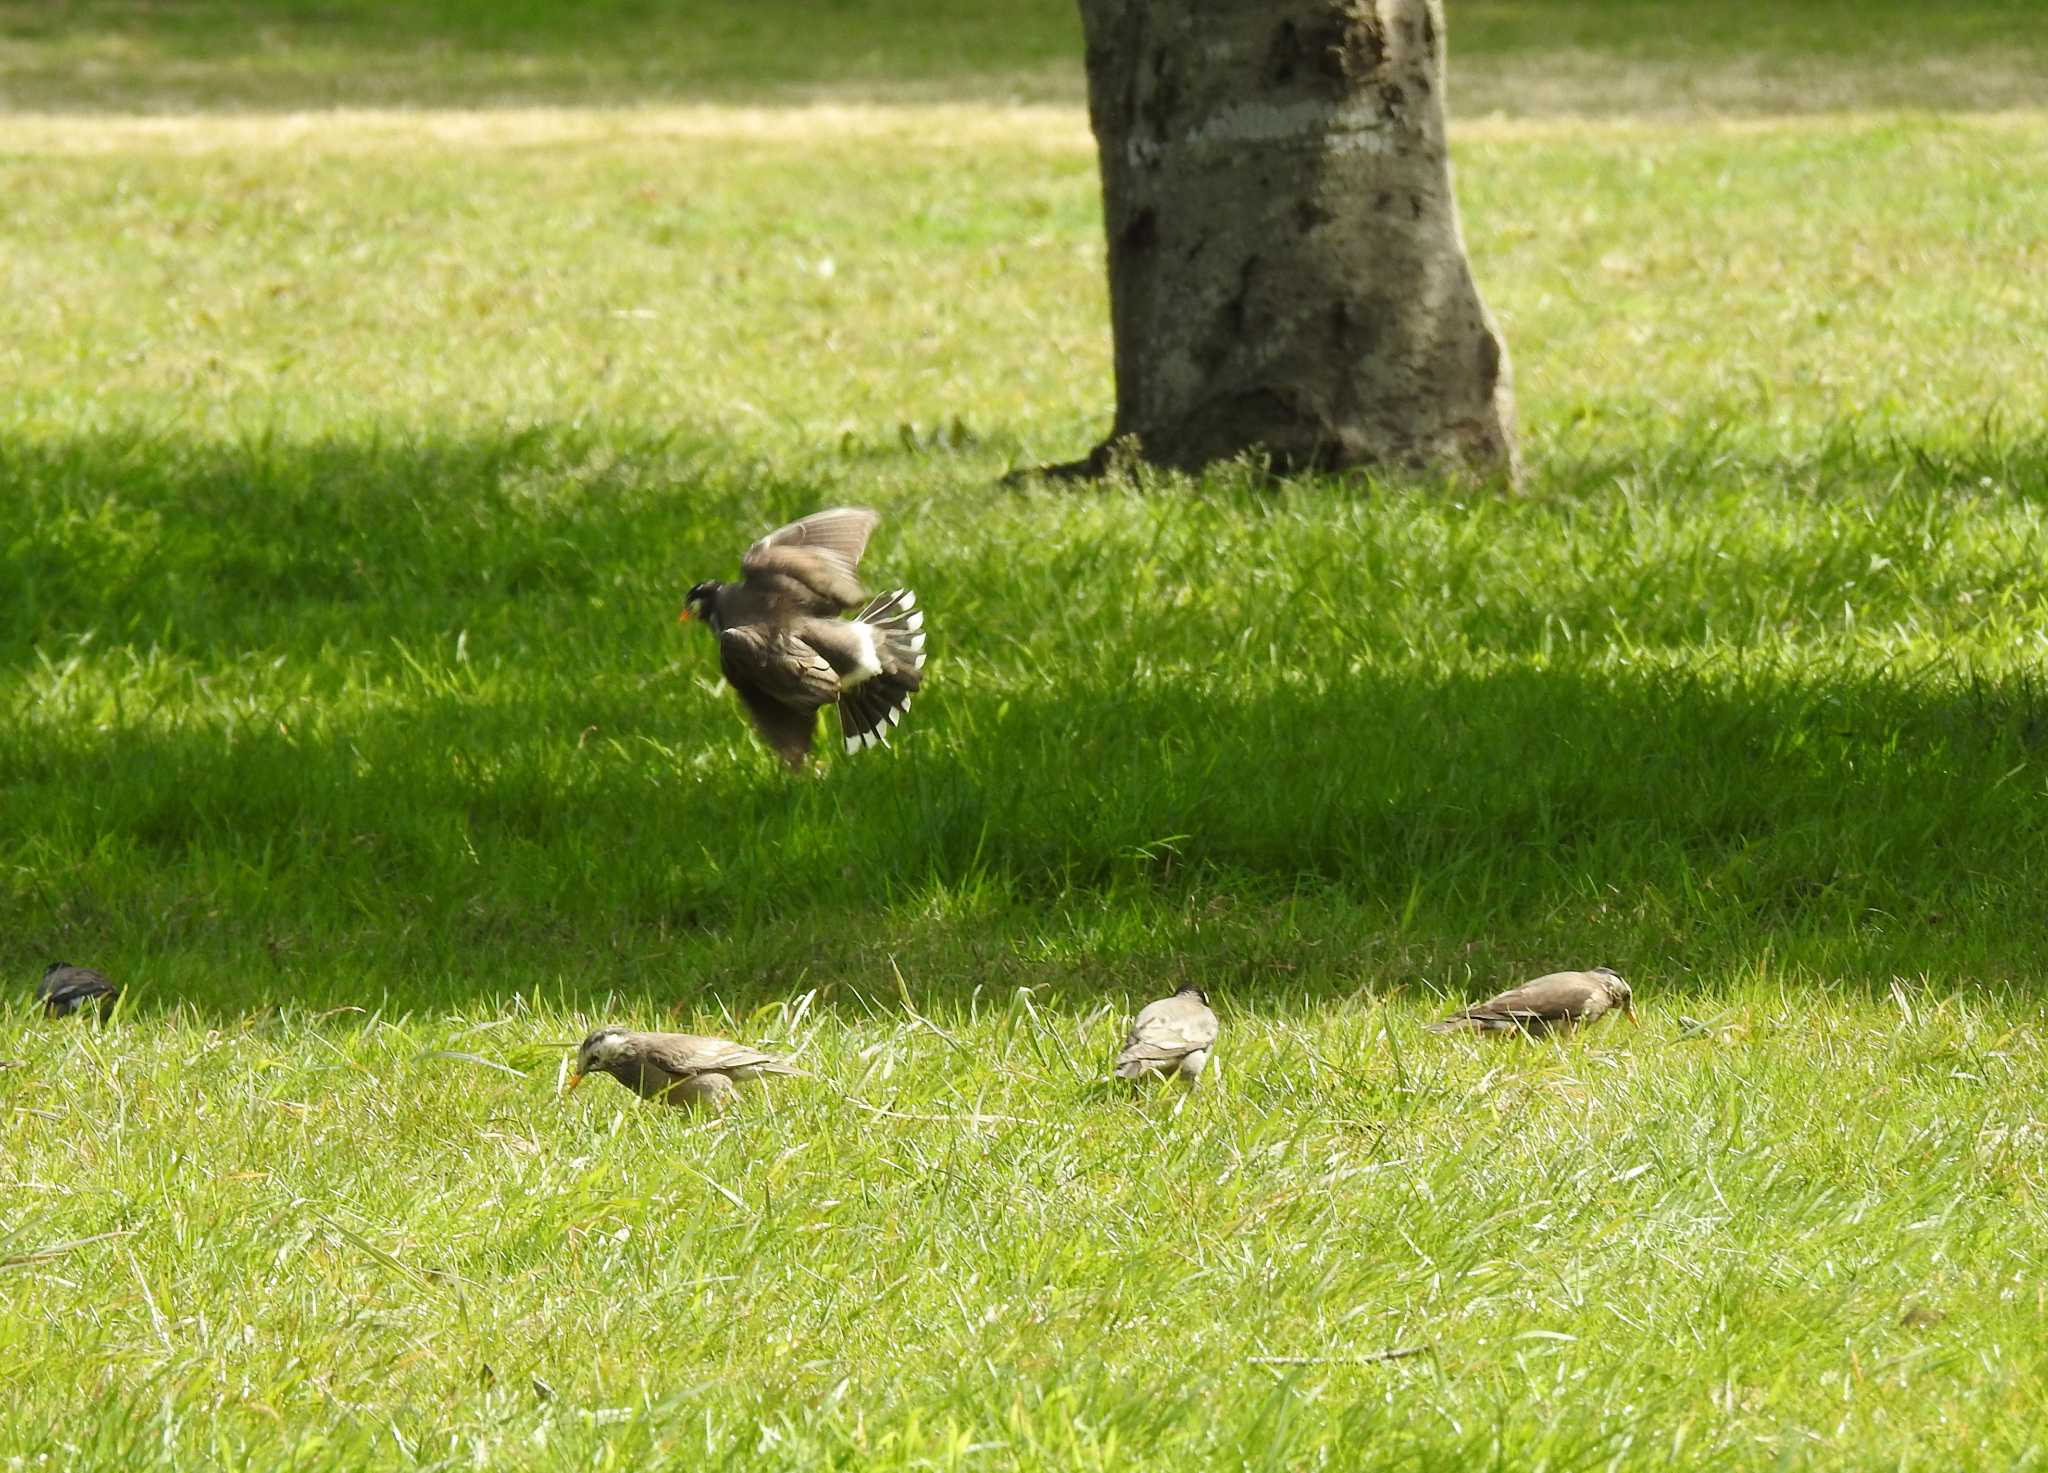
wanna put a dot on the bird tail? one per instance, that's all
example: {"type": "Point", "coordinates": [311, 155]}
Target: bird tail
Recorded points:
{"type": "Point", "coordinates": [868, 710]}
{"type": "Point", "coordinates": [1137, 1064]}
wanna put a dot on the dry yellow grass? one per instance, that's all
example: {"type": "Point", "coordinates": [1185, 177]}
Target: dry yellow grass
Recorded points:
{"type": "Point", "coordinates": [1053, 128]}
{"type": "Point", "coordinates": [345, 130]}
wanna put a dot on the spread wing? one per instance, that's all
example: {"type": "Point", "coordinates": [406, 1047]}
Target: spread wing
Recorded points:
{"type": "Point", "coordinates": [782, 682]}
{"type": "Point", "coordinates": [686, 1054]}
{"type": "Point", "coordinates": [1171, 1028]}
{"type": "Point", "coordinates": [814, 561]}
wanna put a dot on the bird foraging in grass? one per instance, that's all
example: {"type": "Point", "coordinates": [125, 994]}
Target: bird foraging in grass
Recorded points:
{"type": "Point", "coordinates": [784, 647]}
{"type": "Point", "coordinates": [675, 1068]}
{"type": "Point", "coordinates": [1171, 1036]}
{"type": "Point", "coordinates": [65, 989]}
{"type": "Point", "coordinates": [1556, 1001]}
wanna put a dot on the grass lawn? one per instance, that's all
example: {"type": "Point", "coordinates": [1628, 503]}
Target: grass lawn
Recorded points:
{"type": "Point", "coordinates": [1521, 57]}
{"type": "Point", "coordinates": [353, 464]}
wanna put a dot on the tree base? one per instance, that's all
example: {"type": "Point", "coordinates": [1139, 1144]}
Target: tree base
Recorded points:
{"type": "Point", "coordinates": [1287, 277]}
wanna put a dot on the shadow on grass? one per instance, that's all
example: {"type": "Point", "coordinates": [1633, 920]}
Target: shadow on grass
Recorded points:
{"type": "Point", "coordinates": [279, 773]}
{"type": "Point", "coordinates": [1398, 830]}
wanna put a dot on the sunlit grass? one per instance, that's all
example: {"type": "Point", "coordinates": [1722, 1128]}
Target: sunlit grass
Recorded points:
{"type": "Point", "coordinates": [363, 1238]}
{"type": "Point", "coordinates": [721, 282]}
{"type": "Point", "coordinates": [351, 471]}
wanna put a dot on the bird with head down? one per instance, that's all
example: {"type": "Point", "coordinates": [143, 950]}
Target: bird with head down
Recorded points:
{"type": "Point", "coordinates": [1555, 1002]}
{"type": "Point", "coordinates": [1169, 1038]}
{"type": "Point", "coordinates": [675, 1068]}
{"type": "Point", "coordinates": [65, 989]}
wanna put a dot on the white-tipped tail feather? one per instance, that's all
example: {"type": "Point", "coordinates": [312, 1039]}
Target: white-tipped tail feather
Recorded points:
{"type": "Point", "coordinates": [872, 705]}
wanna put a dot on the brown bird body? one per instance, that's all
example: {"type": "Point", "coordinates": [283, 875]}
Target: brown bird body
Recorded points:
{"type": "Point", "coordinates": [65, 989]}
{"type": "Point", "coordinates": [784, 647]}
{"type": "Point", "coordinates": [675, 1068]}
{"type": "Point", "coordinates": [1171, 1036]}
{"type": "Point", "coordinates": [1554, 1002]}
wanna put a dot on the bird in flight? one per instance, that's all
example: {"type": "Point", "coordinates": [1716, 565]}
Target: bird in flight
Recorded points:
{"type": "Point", "coordinates": [783, 645]}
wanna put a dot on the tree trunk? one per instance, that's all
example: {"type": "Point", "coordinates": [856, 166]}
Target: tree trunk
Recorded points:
{"type": "Point", "coordinates": [1286, 273]}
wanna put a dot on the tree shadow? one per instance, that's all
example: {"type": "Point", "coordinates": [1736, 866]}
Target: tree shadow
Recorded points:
{"type": "Point", "coordinates": [426, 735]}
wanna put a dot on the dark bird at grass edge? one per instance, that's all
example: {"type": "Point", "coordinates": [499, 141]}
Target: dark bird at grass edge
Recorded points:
{"type": "Point", "coordinates": [65, 989]}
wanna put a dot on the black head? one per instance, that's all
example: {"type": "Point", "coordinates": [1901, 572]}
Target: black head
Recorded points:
{"type": "Point", "coordinates": [697, 604]}
{"type": "Point", "coordinates": [52, 968]}
{"type": "Point", "coordinates": [1195, 992]}
{"type": "Point", "coordinates": [600, 1052]}
{"type": "Point", "coordinates": [603, 1048]}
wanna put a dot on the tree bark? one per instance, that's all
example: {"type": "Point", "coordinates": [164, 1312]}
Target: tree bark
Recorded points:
{"type": "Point", "coordinates": [1286, 272]}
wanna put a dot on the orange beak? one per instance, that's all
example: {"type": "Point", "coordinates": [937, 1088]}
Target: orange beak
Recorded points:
{"type": "Point", "coordinates": [574, 1080]}
{"type": "Point", "coordinates": [685, 616]}
{"type": "Point", "coordinates": [1630, 1010]}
